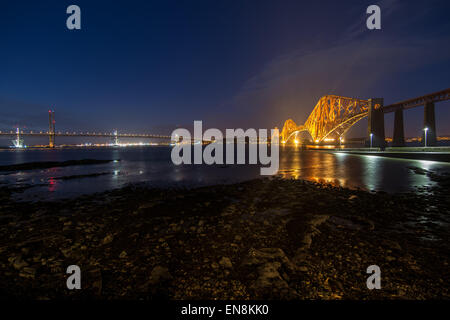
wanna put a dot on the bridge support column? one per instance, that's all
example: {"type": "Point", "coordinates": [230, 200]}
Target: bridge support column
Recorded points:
{"type": "Point", "coordinates": [430, 123]}
{"type": "Point", "coordinates": [399, 132]}
{"type": "Point", "coordinates": [375, 129]}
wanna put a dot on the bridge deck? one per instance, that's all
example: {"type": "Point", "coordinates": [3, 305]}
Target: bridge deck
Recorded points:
{"type": "Point", "coordinates": [415, 102]}
{"type": "Point", "coordinates": [101, 135]}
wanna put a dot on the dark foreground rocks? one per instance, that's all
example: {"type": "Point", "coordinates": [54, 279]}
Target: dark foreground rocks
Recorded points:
{"type": "Point", "coordinates": [268, 238]}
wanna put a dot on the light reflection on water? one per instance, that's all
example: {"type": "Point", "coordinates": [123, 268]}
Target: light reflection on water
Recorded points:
{"type": "Point", "coordinates": [152, 165]}
{"type": "Point", "coordinates": [368, 172]}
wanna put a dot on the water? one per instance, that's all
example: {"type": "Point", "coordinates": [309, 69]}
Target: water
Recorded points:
{"type": "Point", "coordinates": [153, 166]}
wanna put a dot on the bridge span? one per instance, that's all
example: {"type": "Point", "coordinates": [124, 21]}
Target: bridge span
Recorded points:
{"type": "Point", "coordinates": [84, 134]}
{"type": "Point", "coordinates": [52, 134]}
{"type": "Point", "coordinates": [334, 115]}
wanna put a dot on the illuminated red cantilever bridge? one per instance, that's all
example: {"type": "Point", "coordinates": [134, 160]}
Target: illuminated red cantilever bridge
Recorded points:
{"type": "Point", "coordinates": [52, 133]}
{"type": "Point", "coordinates": [333, 116]}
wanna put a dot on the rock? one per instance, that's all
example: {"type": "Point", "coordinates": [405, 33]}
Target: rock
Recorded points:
{"type": "Point", "coordinates": [66, 252]}
{"type": "Point", "coordinates": [108, 239]}
{"type": "Point", "coordinates": [237, 238]}
{"type": "Point", "coordinates": [95, 277]}
{"type": "Point", "coordinates": [352, 197]}
{"type": "Point", "coordinates": [304, 229]}
{"type": "Point", "coordinates": [268, 275]}
{"type": "Point", "coordinates": [17, 262]}
{"type": "Point", "coordinates": [214, 265]}
{"type": "Point", "coordinates": [97, 286]}
{"type": "Point", "coordinates": [261, 256]}
{"type": "Point", "coordinates": [268, 263]}
{"type": "Point", "coordinates": [123, 255]}
{"type": "Point", "coordinates": [226, 262]}
{"type": "Point", "coordinates": [392, 244]}
{"type": "Point", "coordinates": [390, 258]}
{"type": "Point", "coordinates": [334, 284]}
{"type": "Point", "coordinates": [159, 274]}
{"type": "Point", "coordinates": [27, 272]}
{"type": "Point", "coordinates": [270, 283]}
{"type": "Point", "coordinates": [302, 269]}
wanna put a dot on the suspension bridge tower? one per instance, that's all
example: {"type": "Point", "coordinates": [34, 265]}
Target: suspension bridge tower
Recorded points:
{"type": "Point", "coordinates": [18, 143]}
{"type": "Point", "coordinates": [51, 128]}
{"type": "Point", "coordinates": [116, 138]}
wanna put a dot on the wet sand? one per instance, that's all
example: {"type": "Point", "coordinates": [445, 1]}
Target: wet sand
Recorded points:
{"type": "Point", "coordinates": [50, 164]}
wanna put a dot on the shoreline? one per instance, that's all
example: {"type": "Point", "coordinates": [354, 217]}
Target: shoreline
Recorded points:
{"type": "Point", "coordinates": [261, 239]}
{"type": "Point", "coordinates": [50, 164]}
{"type": "Point", "coordinates": [425, 156]}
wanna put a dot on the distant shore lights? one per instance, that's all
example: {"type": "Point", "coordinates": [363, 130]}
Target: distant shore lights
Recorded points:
{"type": "Point", "coordinates": [220, 148]}
{"type": "Point", "coordinates": [18, 142]}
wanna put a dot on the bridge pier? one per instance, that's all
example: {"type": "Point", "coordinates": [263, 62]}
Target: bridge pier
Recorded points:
{"type": "Point", "coordinates": [375, 128]}
{"type": "Point", "coordinates": [430, 123]}
{"type": "Point", "coordinates": [399, 132]}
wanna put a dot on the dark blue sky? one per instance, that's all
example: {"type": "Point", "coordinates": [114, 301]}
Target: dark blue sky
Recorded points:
{"type": "Point", "coordinates": [149, 66]}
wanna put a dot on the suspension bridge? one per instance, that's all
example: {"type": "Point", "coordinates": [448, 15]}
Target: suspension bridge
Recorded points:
{"type": "Point", "coordinates": [52, 134]}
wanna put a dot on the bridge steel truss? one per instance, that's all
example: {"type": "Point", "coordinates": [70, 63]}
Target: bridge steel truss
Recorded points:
{"type": "Point", "coordinates": [334, 115]}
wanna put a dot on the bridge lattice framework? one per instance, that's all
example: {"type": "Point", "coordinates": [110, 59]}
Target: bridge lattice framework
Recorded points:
{"type": "Point", "coordinates": [334, 115]}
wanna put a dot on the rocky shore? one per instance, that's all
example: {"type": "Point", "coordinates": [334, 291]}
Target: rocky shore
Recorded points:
{"type": "Point", "coordinates": [267, 238]}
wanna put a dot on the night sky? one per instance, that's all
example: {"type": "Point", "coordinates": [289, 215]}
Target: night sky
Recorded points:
{"type": "Point", "coordinates": [147, 66]}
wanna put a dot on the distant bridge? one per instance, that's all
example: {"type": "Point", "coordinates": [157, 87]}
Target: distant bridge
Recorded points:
{"type": "Point", "coordinates": [334, 115]}
{"type": "Point", "coordinates": [52, 134]}
{"type": "Point", "coordinates": [83, 134]}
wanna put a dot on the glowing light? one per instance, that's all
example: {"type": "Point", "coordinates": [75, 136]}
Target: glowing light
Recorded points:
{"type": "Point", "coordinates": [426, 164]}
{"type": "Point", "coordinates": [296, 141]}
{"type": "Point", "coordinates": [426, 131]}
{"type": "Point", "coordinates": [18, 142]}
{"type": "Point", "coordinates": [332, 114]}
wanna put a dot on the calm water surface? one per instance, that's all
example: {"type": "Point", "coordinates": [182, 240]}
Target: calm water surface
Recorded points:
{"type": "Point", "coordinates": [153, 166]}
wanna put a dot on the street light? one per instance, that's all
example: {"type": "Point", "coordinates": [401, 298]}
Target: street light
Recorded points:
{"type": "Point", "coordinates": [371, 136]}
{"type": "Point", "coordinates": [426, 130]}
